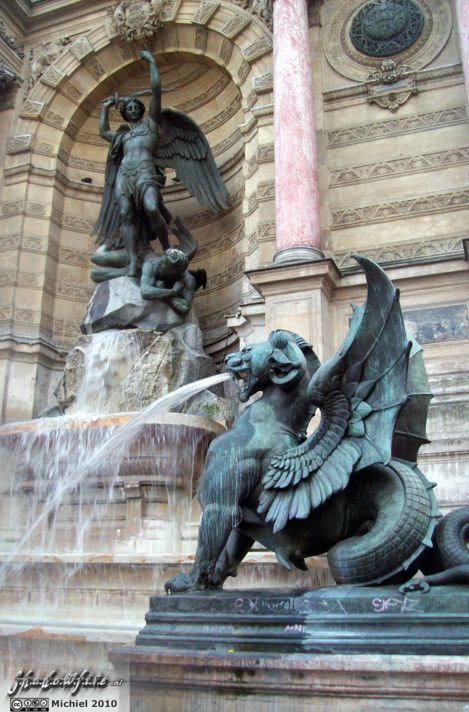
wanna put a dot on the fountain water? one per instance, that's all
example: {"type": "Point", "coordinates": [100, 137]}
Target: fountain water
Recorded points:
{"type": "Point", "coordinates": [97, 510]}
{"type": "Point", "coordinates": [89, 504]}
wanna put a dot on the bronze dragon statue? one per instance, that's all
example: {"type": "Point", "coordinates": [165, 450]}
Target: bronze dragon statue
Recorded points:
{"type": "Point", "coordinates": [352, 488]}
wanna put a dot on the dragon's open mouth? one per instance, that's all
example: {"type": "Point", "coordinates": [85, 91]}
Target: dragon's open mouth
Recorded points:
{"type": "Point", "coordinates": [244, 379]}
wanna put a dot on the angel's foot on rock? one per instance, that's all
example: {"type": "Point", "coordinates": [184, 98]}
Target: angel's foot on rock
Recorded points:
{"type": "Point", "coordinates": [179, 583]}
{"type": "Point", "coordinates": [418, 585]}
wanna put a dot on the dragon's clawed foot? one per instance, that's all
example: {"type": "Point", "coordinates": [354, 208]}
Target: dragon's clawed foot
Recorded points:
{"type": "Point", "coordinates": [418, 585]}
{"type": "Point", "coordinates": [179, 583]}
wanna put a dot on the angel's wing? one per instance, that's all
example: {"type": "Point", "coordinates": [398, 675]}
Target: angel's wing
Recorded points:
{"type": "Point", "coordinates": [183, 146]}
{"type": "Point", "coordinates": [360, 391]}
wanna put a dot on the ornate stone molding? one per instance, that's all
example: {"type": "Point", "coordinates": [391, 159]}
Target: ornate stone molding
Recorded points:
{"type": "Point", "coordinates": [263, 83]}
{"type": "Point", "coordinates": [391, 85]}
{"type": "Point", "coordinates": [193, 222]}
{"type": "Point", "coordinates": [222, 279]}
{"type": "Point", "coordinates": [28, 207]}
{"type": "Point", "coordinates": [223, 116]}
{"type": "Point", "coordinates": [385, 212]}
{"type": "Point", "coordinates": [211, 320]}
{"type": "Point", "coordinates": [205, 11]}
{"type": "Point", "coordinates": [399, 166]}
{"type": "Point", "coordinates": [266, 232]}
{"type": "Point", "coordinates": [20, 143]}
{"type": "Point", "coordinates": [419, 250]}
{"type": "Point", "coordinates": [236, 25]}
{"type": "Point", "coordinates": [137, 19]}
{"type": "Point", "coordinates": [81, 48]}
{"type": "Point", "coordinates": [256, 49]}
{"type": "Point", "coordinates": [10, 242]}
{"type": "Point", "coordinates": [42, 57]}
{"type": "Point", "coordinates": [353, 64]}
{"type": "Point", "coordinates": [221, 244]}
{"type": "Point", "coordinates": [211, 93]}
{"type": "Point", "coordinates": [11, 41]}
{"type": "Point", "coordinates": [407, 124]}
{"type": "Point", "coordinates": [8, 76]}
{"type": "Point", "coordinates": [72, 222]}
{"type": "Point", "coordinates": [262, 9]}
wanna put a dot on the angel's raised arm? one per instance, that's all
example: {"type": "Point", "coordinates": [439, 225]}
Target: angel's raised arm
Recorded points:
{"type": "Point", "coordinates": [155, 86]}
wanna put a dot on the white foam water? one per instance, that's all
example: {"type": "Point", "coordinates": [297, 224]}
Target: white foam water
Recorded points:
{"type": "Point", "coordinates": [61, 460]}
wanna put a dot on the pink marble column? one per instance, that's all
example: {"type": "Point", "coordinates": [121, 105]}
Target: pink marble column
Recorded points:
{"type": "Point", "coordinates": [462, 19]}
{"type": "Point", "coordinates": [296, 171]}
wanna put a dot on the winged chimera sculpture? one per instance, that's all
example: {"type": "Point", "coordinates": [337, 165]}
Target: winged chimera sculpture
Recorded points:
{"type": "Point", "coordinates": [351, 489]}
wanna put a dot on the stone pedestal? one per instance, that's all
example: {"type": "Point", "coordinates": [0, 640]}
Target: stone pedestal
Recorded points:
{"type": "Point", "coordinates": [299, 297]}
{"type": "Point", "coordinates": [339, 620]}
{"type": "Point", "coordinates": [165, 681]}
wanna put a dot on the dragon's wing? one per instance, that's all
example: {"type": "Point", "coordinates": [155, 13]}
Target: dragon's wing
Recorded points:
{"type": "Point", "coordinates": [410, 431]}
{"type": "Point", "coordinates": [182, 146]}
{"type": "Point", "coordinates": [360, 391]}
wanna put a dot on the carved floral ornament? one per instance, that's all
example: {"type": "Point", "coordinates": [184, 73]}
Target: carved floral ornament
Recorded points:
{"type": "Point", "coordinates": [391, 85]}
{"type": "Point", "coordinates": [137, 19]}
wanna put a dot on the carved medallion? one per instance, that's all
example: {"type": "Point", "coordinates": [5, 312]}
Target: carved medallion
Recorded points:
{"type": "Point", "coordinates": [386, 27]}
{"type": "Point", "coordinates": [134, 19]}
{"type": "Point", "coordinates": [353, 63]}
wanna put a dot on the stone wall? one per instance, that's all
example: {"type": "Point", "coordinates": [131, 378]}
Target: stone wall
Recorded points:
{"type": "Point", "coordinates": [217, 59]}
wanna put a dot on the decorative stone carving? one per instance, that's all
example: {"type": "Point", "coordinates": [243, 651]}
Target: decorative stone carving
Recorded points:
{"type": "Point", "coordinates": [383, 28]}
{"type": "Point", "coordinates": [263, 83]}
{"type": "Point", "coordinates": [41, 58]}
{"type": "Point", "coordinates": [206, 9]}
{"type": "Point", "coordinates": [392, 127]}
{"type": "Point", "coordinates": [95, 68]}
{"type": "Point", "coordinates": [55, 119]}
{"type": "Point", "coordinates": [226, 49]}
{"type": "Point", "coordinates": [32, 109]}
{"type": "Point", "coordinates": [81, 47]}
{"type": "Point", "coordinates": [52, 76]}
{"type": "Point", "coordinates": [263, 9]}
{"type": "Point", "coordinates": [343, 55]}
{"type": "Point", "coordinates": [135, 19]}
{"type": "Point", "coordinates": [400, 77]}
{"type": "Point", "coordinates": [422, 204]}
{"type": "Point", "coordinates": [257, 49]}
{"type": "Point", "coordinates": [399, 166]}
{"type": "Point", "coordinates": [234, 26]}
{"type": "Point", "coordinates": [408, 252]}
{"type": "Point", "coordinates": [200, 42]}
{"type": "Point", "coordinates": [12, 42]}
{"type": "Point", "coordinates": [7, 76]}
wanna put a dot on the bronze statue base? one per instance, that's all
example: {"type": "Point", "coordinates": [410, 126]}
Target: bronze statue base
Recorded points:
{"type": "Point", "coordinates": [342, 619]}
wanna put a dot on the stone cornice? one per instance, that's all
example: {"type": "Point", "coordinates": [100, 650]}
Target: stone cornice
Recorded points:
{"type": "Point", "coordinates": [427, 79]}
{"type": "Point", "coordinates": [52, 12]}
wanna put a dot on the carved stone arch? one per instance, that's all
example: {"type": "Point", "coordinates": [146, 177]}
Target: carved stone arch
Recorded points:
{"type": "Point", "coordinates": [231, 37]}
{"type": "Point", "coordinates": [69, 91]}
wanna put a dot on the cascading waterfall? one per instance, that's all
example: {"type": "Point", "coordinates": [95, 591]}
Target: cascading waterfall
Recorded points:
{"type": "Point", "coordinates": [74, 464]}
{"type": "Point", "coordinates": [110, 355]}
